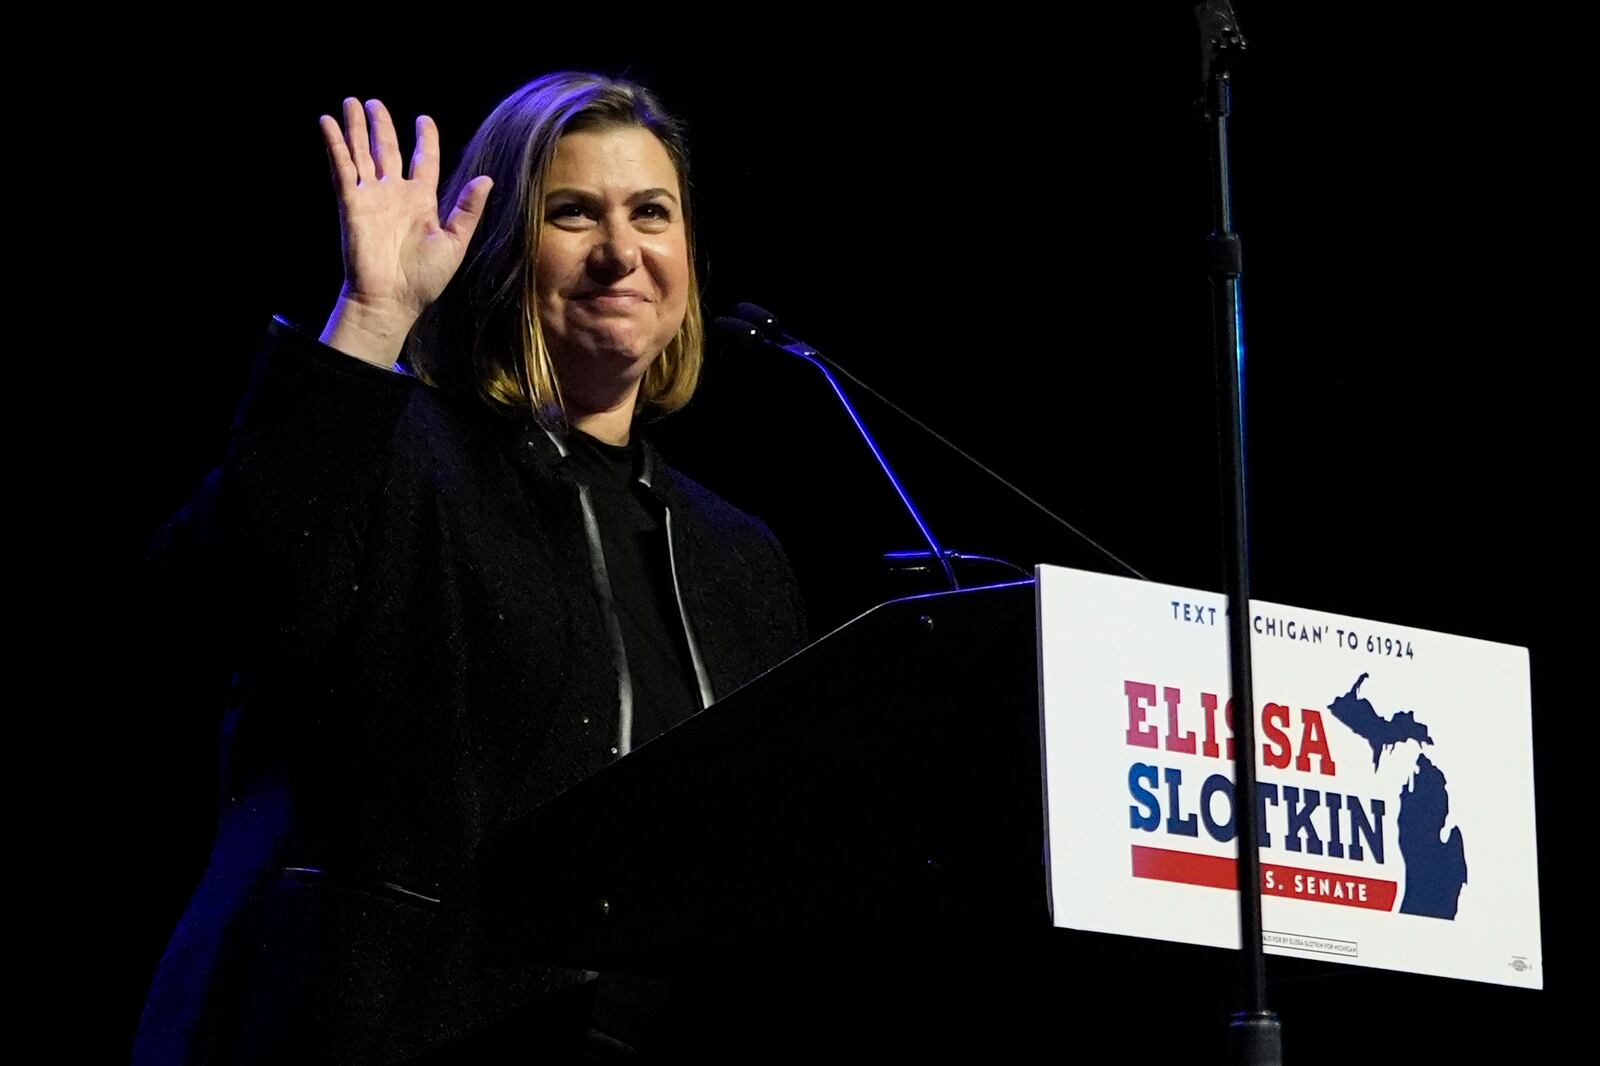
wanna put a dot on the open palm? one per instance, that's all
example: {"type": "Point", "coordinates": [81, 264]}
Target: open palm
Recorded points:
{"type": "Point", "coordinates": [398, 256]}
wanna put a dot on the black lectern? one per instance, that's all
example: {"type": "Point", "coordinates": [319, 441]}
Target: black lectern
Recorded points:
{"type": "Point", "coordinates": [887, 778]}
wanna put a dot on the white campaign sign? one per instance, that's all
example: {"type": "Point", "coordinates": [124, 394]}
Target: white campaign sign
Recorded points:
{"type": "Point", "coordinates": [1396, 781]}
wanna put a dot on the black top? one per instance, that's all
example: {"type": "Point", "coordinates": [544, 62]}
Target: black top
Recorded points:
{"type": "Point", "coordinates": [402, 582]}
{"type": "Point", "coordinates": [634, 543]}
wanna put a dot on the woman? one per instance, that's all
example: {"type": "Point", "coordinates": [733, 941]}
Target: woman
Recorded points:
{"type": "Point", "coordinates": [455, 586]}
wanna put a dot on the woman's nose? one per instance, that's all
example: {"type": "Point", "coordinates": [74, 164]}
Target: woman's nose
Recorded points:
{"type": "Point", "coordinates": [616, 253]}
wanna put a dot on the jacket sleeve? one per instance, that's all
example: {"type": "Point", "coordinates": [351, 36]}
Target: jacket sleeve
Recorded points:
{"type": "Point", "coordinates": [264, 556]}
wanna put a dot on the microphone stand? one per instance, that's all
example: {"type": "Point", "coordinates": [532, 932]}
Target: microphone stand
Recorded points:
{"type": "Point", "coordinates": [759, 324]}
{"type": "Point", "coordinates": [1255, 1034]}
{"type": "Point", "coordinates": [756, 323]}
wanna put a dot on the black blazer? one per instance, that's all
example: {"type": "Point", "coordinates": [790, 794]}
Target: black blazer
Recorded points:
{"type": "Point", "coordinates": [403, 582]}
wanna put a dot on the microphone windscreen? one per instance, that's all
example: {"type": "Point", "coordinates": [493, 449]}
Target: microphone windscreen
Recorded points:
{"type": "Point", "coordinates": [736, 328]}
{"type": "Point", "coordinates": [761, 319]}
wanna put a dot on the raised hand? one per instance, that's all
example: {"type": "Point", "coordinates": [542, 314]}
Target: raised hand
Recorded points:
{"type": "Point", "coordinates": [398, 256]}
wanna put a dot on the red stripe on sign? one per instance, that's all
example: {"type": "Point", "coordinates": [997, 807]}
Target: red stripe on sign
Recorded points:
{"type": "Point", "coordinates": [1158, 864]}
{"type": "Point", "coordinates": [1292, 882]}
{"type": "Point", "coordinates": [1289, 882]}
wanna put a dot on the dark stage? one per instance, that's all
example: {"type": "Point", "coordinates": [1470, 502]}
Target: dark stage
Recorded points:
{"type": "Point", "coordinates": [997, 220]}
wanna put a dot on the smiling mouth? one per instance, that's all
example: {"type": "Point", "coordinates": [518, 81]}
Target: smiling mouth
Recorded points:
{"type": "Point", "coordinates": [616, 297]}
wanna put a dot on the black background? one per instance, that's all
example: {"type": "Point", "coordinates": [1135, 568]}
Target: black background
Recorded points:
{"type": "Point", "coordinates": [996, 219]}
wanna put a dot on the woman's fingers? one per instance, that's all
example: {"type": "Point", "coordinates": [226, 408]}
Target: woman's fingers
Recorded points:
{"type": "Point", "coordinates": [385, 142]}
{"type": "Point", "coordinates": [368, 147]}
{"type": "Point", "coordinates": [389, 221]}
{"type": "Point", "coordinates": [425, 156]}
{"type": "Point", "coordinates": [468, 210]}
{"type": "Point", "coordinates": [344, 170]}
{"type": "Point", "coordinates": [355, 137]}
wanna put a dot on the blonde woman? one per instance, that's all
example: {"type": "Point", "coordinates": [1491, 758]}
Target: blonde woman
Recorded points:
{"type": "Point", "coordinates": [456, 579]}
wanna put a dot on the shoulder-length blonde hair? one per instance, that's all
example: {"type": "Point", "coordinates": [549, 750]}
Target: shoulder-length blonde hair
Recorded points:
{"type": "Point", "coordinates": [483, 334]}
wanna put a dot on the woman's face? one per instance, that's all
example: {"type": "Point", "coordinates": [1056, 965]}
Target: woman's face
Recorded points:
{"type": "Point", "coordinates": [612, 276]}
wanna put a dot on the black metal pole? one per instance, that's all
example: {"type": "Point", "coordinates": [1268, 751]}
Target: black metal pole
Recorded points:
{"type": "Point", "coordinates": [1255, 1035]}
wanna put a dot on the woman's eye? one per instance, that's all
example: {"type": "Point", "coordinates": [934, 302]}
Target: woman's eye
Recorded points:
{"type": "Point", "coordinates": [568, 213]}
{"type": "Point", "coordinates": [580, 213]}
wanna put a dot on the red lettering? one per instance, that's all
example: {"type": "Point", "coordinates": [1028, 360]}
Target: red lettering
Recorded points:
{"type": "Point", "coordinates": [1275, 752]}
{"type": "Point", "coordinates": [1208, 703]}
{"type": "Point", "coordinates": [1140, 695]}
{"type": "Point", "coordinates": [1183, 742]}
{"type": "Point", "coordinates": [1313, 741]}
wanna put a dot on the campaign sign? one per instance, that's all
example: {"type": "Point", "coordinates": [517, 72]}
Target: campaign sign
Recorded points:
{"type": "Point", "coordinates": [1395, 781]}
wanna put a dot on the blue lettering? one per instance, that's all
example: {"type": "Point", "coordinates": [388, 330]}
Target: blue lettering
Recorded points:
{"type": "Point", "coordinates": [1300, 820]}
{"type": "Point", "coordinates": [1361, 827]}
{"type": "Point", "coordinates": [1224, 831]}
{"type": "Point", "coordinates": [1184, 827]}
{"type": "Point", "coordinates": [1148, 819]}
{"type": "Point", "coordinates": [1265, 793]}
{"type": "Point", "coordinates": [1335, 804]}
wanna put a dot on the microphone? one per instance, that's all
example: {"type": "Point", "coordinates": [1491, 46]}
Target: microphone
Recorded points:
{"type": "Point", "coordinates": [758, 324]}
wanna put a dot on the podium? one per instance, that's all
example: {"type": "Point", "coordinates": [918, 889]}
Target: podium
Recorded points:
{"type": "Point", "coordinates": [882, 782]}
{"type": "Point", "coordinates": [856, 843]}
